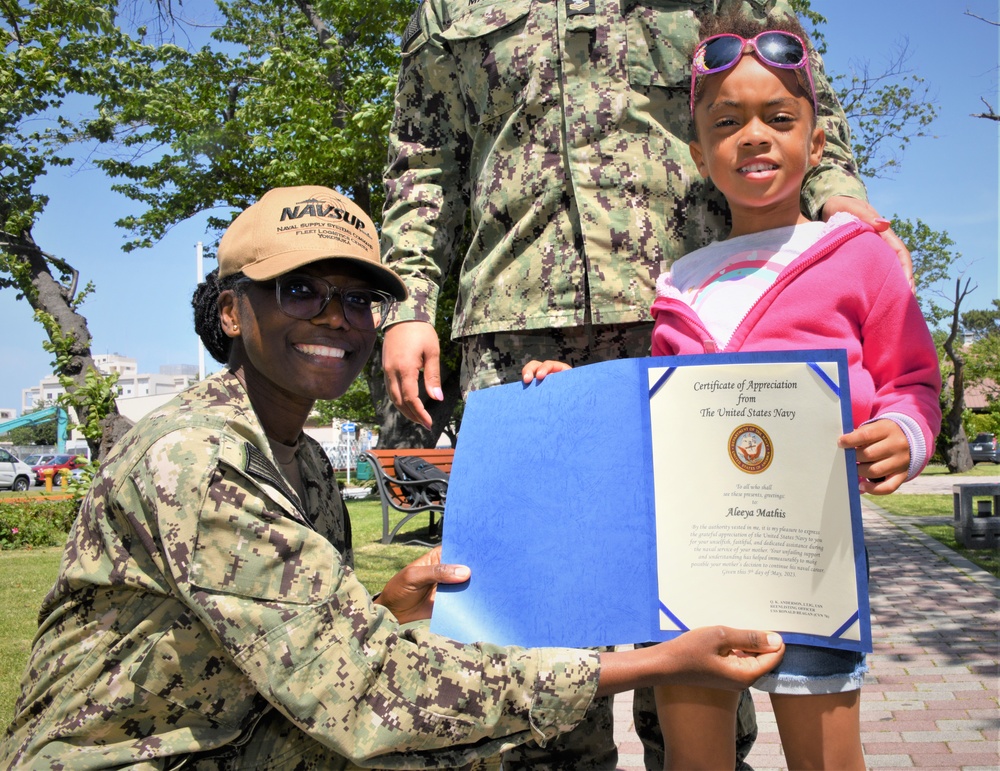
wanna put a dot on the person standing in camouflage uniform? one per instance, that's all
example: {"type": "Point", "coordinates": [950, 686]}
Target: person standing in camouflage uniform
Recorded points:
{"type": "Point", "coordinates": [206, 612]}
{"type": "Point", "coordinates": [559, 130]}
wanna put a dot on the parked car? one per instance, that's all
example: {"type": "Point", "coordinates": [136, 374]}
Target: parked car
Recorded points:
{"type": "Point", "coordinates": [985, 447]}
{"type": "Point", "coordinates": [57, 464]}
{"type": "Point", "coordinates": [35, 460]}
{"type": "Point", "coordinates": [14, 474]}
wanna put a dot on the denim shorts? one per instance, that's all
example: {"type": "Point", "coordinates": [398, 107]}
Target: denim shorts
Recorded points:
{"type": "Point", "coordinates": [807, 669]}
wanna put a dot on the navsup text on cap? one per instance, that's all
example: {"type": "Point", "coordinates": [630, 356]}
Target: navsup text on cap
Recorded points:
{"type": "Point", "coordinates": [293, 226]}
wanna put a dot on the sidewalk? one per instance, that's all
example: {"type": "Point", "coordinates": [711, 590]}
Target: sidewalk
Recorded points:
{"type": "Point", "coordinates": [931, 698]}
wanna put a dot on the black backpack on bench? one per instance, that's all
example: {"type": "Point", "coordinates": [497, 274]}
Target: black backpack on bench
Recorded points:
{"type": "Point", "coordinates": [412, 468]}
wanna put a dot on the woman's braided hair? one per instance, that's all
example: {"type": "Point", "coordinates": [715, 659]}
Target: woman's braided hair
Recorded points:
{"type": "Point", "coordinates": [205, 302]}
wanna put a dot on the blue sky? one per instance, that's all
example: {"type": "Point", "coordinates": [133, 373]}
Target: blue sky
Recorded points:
{"type": "Point", "coordinates": [141, 307]}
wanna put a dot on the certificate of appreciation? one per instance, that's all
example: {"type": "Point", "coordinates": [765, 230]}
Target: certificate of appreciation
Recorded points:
{"type": "Point", "coordinates": [755, 506]}
{"type": "Point", "coordinates": [629, 501]}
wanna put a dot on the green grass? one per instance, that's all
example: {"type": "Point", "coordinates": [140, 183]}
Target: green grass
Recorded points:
{"type": "Point", "coordinates": [979, 470]}
{"type": "Point", "coordinates": [374, 562]}
{"type": "Point", "coordinates": [937, 506]}
{"type": "Point", "coordinates": [923, 505]}
{"type": "Point", "coordinates": [25, 578]}
{"type": "Point", "coordinates": [987, 559]}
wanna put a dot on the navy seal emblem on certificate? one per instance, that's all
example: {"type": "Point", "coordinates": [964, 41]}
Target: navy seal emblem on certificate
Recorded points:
{"type": "Point", "coordinates": [750, 449]}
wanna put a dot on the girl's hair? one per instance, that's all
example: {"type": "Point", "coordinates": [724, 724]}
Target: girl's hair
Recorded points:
{"type": "Point", "coordinates": [737, 23]}
{"type": "Point", "coordinates": [205, 302]}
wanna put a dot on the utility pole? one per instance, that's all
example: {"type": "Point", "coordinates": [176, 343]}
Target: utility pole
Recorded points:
{"type": "Point", "coordinates": [201, 346]}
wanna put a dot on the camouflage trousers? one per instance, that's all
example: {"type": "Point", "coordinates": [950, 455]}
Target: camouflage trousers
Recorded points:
{"type": "Point", "coordinates": [591, 746]}
{"type": "Point", "coordinates": [274, 744]}
{"type": "Point", "coordinates": [277, 744]}
{"type": "Point", "coordinates": [495, 359]}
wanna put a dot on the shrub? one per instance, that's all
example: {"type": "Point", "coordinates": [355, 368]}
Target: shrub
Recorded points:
{"type": "Point", "coordinates": [35, 524]}
{"type": "Point", "coordinates": [77, 486]}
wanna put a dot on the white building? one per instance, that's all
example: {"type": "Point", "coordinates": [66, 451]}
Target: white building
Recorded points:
{"type": "Point", "coordinates": [131, 383]}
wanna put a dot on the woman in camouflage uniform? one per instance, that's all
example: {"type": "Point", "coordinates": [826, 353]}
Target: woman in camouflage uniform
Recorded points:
{"type": "Point", "coordinates": [206, 612]}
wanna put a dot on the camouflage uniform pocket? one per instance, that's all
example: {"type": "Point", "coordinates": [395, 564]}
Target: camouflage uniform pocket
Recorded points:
{"type": "Point", "coordinates": [247, 545]}
{"type": "Point", "coordinates": [661, 38]}
{"type": "Point", "coordinates": [185, 667]}
{"type": "Point", "coordinates": [498, 49]}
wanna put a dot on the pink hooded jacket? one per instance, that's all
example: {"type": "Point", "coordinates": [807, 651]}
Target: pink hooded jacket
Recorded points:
{"type": "Point", "coordinates": [847, 291]}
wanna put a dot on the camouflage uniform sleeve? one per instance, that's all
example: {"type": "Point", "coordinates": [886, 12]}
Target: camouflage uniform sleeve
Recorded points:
{"type": "Point", "coordinates": [427, 176]}
{"type": "Point", "coordinates": [300, 626]}
{"type": "Point", "coordinates": [837, 173]}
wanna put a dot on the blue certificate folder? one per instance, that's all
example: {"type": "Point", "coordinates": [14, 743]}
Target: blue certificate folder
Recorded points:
{"type": "Point", "coordinates": [551, 503]}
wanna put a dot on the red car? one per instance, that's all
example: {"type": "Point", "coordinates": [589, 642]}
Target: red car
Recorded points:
{"type": "Point", "coordinates": [59, 462]}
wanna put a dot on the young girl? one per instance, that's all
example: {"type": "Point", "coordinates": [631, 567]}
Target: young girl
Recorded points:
{"type": "Point", "coordinates": [780, 281]}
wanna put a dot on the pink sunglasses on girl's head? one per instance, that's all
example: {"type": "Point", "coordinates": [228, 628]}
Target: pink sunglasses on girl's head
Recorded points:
{"type": "Point", "coordinates": [774, 48]}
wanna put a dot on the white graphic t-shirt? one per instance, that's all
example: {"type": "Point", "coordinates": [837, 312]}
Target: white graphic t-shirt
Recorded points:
{"type": "Point", "coordinates": [723, 280]}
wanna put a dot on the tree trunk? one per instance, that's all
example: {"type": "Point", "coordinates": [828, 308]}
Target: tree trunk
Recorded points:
{"type": "Point", "coordinates": [953, 445]}
{"type": "Point", "coordinates": [113, 428]}
{"type": "Point", "coordinates": [952, 442]}
{"type": "Point", "coordinates": [70, 336]}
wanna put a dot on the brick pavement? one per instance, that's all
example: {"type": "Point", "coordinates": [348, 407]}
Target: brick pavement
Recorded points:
{"type": "Point", "coordinates": [931, 697]}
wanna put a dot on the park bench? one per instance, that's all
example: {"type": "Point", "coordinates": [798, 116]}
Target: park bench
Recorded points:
{"type": "Point", "coordinates": [409, 497]}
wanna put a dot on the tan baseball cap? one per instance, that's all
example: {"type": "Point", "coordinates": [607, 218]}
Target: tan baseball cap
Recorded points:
{"type": "Point", "coordinates": [294, 226]}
